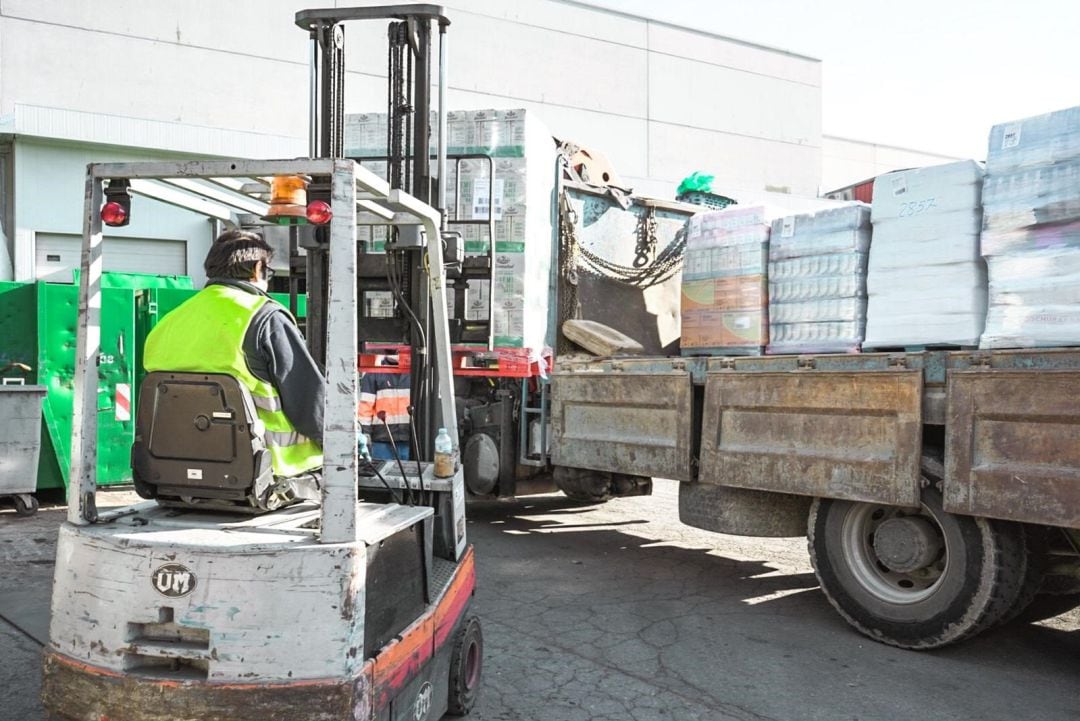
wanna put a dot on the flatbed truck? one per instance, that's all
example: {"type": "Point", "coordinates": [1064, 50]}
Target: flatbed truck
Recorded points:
{"type": "Point", "coordinates": [939, 491]}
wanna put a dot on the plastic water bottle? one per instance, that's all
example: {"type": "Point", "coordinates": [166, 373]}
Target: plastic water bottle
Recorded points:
{"type": "Point", "coordinates": [444, 455]}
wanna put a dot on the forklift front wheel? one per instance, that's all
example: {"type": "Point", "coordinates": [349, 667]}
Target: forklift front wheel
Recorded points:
{"type": "Point", "coordinates": [466, 662]}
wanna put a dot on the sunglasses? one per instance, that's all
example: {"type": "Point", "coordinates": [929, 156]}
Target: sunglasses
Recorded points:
{"type": "Point", "coordinates": [268, 272]}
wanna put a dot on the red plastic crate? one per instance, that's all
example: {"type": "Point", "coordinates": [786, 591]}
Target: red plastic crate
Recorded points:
{"type": "Point", "coordinates": [468, 361]}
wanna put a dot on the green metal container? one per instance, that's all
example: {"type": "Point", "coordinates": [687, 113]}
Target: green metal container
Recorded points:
{"type": "Point", "coordinates": [37, 325]}
{"type": "Point", "coordinates": [37, 329]}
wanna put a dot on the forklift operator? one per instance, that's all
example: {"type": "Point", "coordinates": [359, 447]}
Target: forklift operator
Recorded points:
{"type": "Point", "coordinates": [233, 327]}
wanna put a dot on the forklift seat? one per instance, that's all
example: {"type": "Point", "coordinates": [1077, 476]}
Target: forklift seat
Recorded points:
{"type": "Point", "coordinates": [199, 444]}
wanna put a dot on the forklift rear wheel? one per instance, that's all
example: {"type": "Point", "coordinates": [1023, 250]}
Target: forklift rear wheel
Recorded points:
{"type": "Point", "coordinates": [466, 663]}
{"type": "Point", "coordinates": [25, 505]}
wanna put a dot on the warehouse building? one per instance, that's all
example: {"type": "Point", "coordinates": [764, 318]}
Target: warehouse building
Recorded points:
{"type": "Point", "coordinates": [140, 79]}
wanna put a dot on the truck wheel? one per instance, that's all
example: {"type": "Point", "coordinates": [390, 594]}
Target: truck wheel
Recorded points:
{"type": "Point", "coordinates": [25, 505]}
{"type": "Point", "coordinates": [466, 663]}
{"type": "Point", "coordinates": [1062, 572]}
{"type": "Point", "coordinates": [915, 578]}
{"type": "Point", "coordinates": [1033, 555]}
{"type": "Point", "coordinates": [580, 484]}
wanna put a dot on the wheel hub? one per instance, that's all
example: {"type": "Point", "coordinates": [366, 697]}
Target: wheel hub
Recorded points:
{"type": "Point", "coordinates": [907, 544]}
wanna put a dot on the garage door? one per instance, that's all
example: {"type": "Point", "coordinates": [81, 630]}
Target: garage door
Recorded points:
{"type": "Point", "coordinates": [56, 255]}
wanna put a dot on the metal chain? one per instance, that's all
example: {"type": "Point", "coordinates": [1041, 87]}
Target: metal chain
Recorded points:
{"type": "Point", "coordinates": [569, 257]}
{"type": "Point", "coordinates": [667, 263]}
{"type": "Point", "coordinates": [646, 239]}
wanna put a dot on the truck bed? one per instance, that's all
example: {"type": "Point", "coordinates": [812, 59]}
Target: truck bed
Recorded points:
{"type": "Point", "coordinates": [1004, 423]}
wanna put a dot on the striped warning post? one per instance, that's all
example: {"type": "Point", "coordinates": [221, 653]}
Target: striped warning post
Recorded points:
{"type": "Point", "coordinates": [123, 402]}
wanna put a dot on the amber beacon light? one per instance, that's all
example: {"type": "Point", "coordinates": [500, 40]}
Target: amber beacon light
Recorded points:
{"type": "Point", "coordinates": [288, 199]}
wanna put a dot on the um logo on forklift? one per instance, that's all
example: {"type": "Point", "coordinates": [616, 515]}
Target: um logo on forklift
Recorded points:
{"type": "Point", "coordinates": [173, 580]}
{"type": "Point", "coordinates": [423, 702]}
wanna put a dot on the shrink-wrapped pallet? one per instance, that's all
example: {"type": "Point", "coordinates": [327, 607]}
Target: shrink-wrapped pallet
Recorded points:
{"type": "Point", "coordinates": [519, 201]}
{"type": "Point", "coordinates": [817, 280]}
{"type": "Point", "coordinates": [724, 284]}
{"type": "Point", "coordinates": [927, 280]}
{"type": "Point", "coordinates": [1031, 232]}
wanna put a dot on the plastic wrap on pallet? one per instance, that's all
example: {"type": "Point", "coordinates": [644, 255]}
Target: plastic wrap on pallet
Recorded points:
{"type": "Point", "coordinates": [817, 280]}
{"type": "Point", "coordinates": [1035, 299]}
{"type": "Point", "coordinates": [518, 201]}
{"type": "Point", "coordinates": [1033, 208]}
{"type": "Point", "coordinates": [1038, 140]}
{"type": "Point", "coordinates": [1031, 232]}
{"type": "Point", "coordinates": [724, 301]}
{"type": "Point", "coordinates": [927, 280]}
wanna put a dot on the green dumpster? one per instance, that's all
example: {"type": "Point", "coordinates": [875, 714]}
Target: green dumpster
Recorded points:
{"type": "Point", "coordinates": [37, 325]}
{"type": "Point", "coordinates": [37, 328]}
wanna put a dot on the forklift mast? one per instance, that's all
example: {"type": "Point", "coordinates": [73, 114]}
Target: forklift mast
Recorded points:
{"type": "Point", "coordinates": [408, 108]}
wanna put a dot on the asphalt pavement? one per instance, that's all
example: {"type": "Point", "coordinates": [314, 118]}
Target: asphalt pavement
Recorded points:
{"type": "Point", "coordinates": [617, 611]}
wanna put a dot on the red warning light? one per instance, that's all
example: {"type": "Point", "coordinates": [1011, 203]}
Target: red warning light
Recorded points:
{"type": "Point", "coordinates": [319, 212]}
{"type": "Point", "coordinates": [114, 214]}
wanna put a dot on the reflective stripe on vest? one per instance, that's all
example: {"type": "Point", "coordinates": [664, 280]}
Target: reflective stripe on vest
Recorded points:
{"type": "Point", "coordinates": [206, 335]}
{"type": "Point", "coordinates": [266, 403]}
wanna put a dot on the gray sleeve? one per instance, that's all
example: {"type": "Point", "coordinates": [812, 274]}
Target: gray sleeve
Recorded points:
{"type": "Point", "coordinates": [293, 372]}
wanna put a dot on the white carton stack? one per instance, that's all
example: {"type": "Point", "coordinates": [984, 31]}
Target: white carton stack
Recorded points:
{"type": "Point", "coordinates": [817, 280]}
{"type": "Point", "coordinates": [927, 281]}
{"type": "Point", "coordinates": [1031, 232]}
{"type": "Point", "coordinates": [524, 160]}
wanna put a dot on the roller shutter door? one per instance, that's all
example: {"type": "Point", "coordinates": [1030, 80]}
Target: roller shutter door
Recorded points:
{"type": "Point", "coordinates": [56, 255]}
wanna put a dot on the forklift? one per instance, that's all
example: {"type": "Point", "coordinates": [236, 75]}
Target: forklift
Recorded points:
{"type": "Point", "coordinates": [232, 594]}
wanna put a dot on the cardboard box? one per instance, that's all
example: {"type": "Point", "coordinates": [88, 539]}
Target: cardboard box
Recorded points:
{"type": "Point", "coordinates": [740, 291]}
{"type": "Point", "coordinates": [713, 328]}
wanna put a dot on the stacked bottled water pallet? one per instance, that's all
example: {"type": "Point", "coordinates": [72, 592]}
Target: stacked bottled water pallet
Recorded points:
{"type": "Point", "coordinates": [817, 281]}
{"type": "Point", "coordinates": [518, 201]}
{"type": "Point", "coordinates": [1031, 232]}
{"type": "Point", "coordinates": [724, 291]}
{"type": "Point", "coordinates": [927, 280]}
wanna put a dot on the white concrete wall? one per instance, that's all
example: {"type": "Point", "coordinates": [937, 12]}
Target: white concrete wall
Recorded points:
{"type": "Point", "coordinates": [660, 101]}
{"type": "Point", "coordinates": [50, 182]}
{"type": "Point", "coordinates": [205, 77]}
{"type": "Point", "coordinates": [845, 161]}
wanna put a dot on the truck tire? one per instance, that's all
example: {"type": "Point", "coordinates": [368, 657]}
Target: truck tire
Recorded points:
{"type": "Point", "coordinates": [915, 578]}
{"type": "Point", "coordinates": [466, 663]}
{"type": "Point", "coordinates": [1034, 557]}
{"type": "Point", "coordinates": [1048, 606]}
{"type": "Point", "coordinates": [582, 484]}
